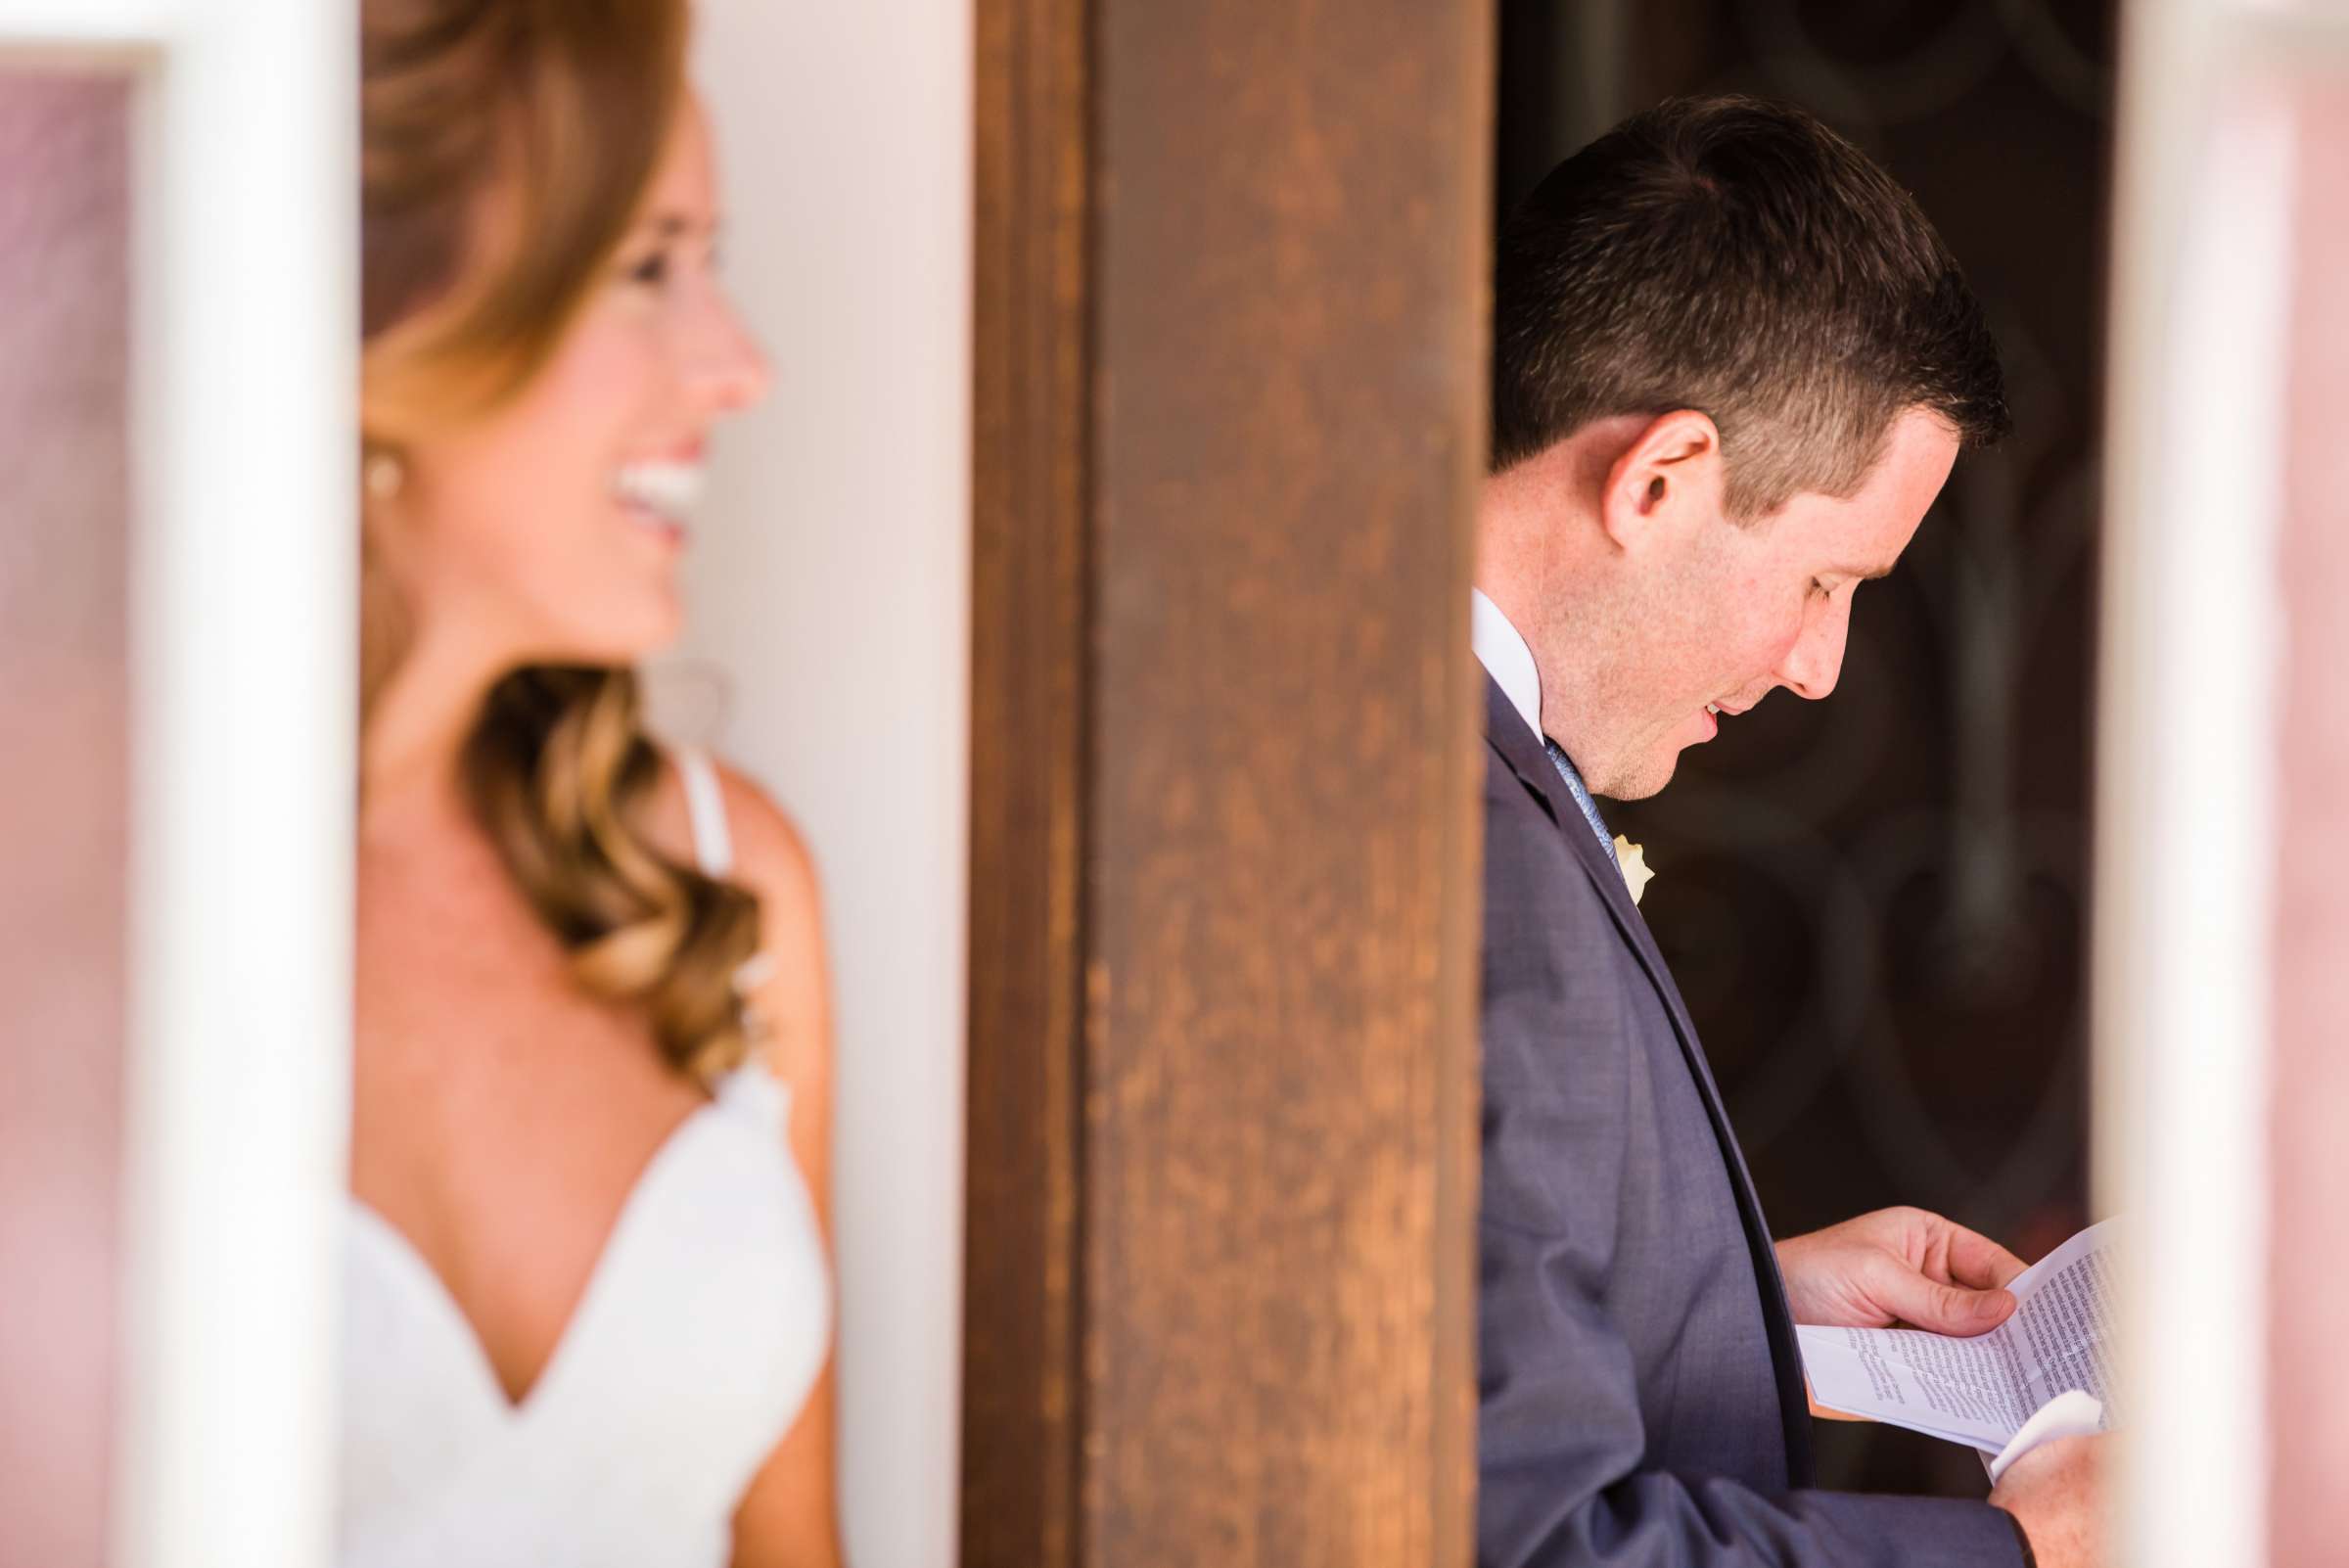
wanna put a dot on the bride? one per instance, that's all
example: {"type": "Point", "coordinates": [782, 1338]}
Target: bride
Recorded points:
{"type": "Point", "coordinates": [588, 1297]}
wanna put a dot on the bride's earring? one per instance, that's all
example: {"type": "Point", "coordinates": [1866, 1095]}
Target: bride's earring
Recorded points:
{"type": "Point", "coordinates": [384, 474]}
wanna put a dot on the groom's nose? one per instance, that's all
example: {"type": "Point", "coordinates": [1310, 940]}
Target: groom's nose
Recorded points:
{"type": "Point", "coordinates": [1814, 663]}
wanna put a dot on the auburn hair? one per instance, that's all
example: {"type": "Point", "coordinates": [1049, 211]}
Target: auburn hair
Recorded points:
{"type": "Point", "coordinates": [506, 147]}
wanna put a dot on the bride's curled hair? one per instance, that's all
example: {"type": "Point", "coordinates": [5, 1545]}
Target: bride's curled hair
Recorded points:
{"type": "Point", "coordinates": [559, 109]}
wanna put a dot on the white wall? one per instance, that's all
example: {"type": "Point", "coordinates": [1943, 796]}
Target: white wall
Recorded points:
{"type": "Point", "coordinates": [829, 582]}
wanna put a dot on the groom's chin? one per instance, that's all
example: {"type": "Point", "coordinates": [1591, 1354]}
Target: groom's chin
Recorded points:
{"type": "Point", "coordinates": [1645, 775]}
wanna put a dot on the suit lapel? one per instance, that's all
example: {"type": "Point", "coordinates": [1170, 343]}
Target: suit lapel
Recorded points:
{"type": "Point", "coordinates": [1505, 730]}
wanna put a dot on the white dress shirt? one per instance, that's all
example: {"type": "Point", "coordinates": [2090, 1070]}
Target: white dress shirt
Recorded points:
{"type": "Point", "coordinates": [1502, 649]}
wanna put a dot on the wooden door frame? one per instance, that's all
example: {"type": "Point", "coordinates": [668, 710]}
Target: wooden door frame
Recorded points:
{"type": "Point", "coordinates": [1232, 272]}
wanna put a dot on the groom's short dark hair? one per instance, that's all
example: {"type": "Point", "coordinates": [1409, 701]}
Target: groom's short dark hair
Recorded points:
{"type": "Point", "coordinates": [1740, 259]}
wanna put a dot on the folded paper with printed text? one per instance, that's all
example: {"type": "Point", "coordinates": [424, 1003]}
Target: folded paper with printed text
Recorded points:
{"type": "Point", "coordinates": [1984, 1392]}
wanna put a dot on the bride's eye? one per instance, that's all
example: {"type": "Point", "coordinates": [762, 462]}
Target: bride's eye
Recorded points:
{"type": "Point", "coordinates": [652, 271]}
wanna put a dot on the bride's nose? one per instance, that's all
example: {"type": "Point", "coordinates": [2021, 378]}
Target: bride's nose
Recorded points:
{"type": "Point", "coordinates": [727, 369]}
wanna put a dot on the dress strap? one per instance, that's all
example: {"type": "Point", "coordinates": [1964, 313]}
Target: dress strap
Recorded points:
{"type": "Point", "coordinates": [706, 810]}
{"type": "Point", "coordinates": [754, 1082]}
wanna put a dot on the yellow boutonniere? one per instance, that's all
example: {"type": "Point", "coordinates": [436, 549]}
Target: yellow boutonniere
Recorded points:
{"type": "Point", "coordinates": [1631, 861]}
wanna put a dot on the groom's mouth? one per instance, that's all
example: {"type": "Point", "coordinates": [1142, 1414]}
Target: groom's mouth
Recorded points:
{"type": "Point", "coordinates": [1714, 713]}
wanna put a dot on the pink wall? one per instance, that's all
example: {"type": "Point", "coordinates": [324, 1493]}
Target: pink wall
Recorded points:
{"type": "Point", "coordinates": [63, 526]}
{"type": "Point", "coordinates": [2309, 1381]}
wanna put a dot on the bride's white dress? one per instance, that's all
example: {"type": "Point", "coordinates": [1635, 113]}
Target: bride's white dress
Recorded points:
{"type": "Point", "coordinates": [702, 1330]}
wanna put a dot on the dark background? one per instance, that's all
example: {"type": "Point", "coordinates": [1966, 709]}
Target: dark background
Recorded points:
{"type": "Point", "coordinates": [1876, 906]}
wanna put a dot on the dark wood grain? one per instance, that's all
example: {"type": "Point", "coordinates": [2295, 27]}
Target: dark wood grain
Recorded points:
{"type": "Point", "coordinates": [1231, 280]}
{"type": "Point", "coordinates": [1031, 701]}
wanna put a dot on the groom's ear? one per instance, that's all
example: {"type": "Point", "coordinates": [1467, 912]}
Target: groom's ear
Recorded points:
{"type": "Point", "coordinates": [1667, 479]}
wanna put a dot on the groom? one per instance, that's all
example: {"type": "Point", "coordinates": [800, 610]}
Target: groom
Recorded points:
{"type": "Point", "coordinates": [1732, 367]}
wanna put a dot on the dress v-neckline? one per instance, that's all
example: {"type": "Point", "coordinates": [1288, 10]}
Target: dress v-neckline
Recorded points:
{"type": "Point", "coordinates": [412, 1262]}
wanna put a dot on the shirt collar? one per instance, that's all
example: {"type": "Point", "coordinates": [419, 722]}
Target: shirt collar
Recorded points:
{"type": "Point", "coordinates": [1502, 649]}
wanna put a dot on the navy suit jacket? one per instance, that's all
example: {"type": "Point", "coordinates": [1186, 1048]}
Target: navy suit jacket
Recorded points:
{"type": "Point", "coordinates": [1640, 1392]}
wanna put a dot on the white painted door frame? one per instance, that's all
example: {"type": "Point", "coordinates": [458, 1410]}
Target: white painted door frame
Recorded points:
{"type": "Point", "coordinates": [244, 606]}
{"type": "Point", "coordinates": [2186, 817]}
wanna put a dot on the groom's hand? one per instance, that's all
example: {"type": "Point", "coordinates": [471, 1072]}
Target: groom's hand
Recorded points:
{"type": "Point", "coordinates": [1899, 1266]}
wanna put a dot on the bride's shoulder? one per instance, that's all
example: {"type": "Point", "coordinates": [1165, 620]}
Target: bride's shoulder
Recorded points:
{"type": "Point", "coordinates": [772, 855]}
{"type": "Point", "coordinates": [769, 854]}
{"type": "Point", "coordinates": [769, 847]}
{"type": "Point", "coordinates": [771, 860]}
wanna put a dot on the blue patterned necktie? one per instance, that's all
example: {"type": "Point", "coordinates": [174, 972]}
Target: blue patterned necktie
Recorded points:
{"type": "Point", "coordinates": [1581, 793]}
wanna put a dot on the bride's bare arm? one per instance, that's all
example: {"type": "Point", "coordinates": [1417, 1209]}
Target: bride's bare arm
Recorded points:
{"type": "Point", "coordinates": [788, 1518]}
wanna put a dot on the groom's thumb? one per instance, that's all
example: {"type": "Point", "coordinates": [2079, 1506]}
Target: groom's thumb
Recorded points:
{"type": "Point", "coordinates": [1975, 1311]}
{"type": "Point", "coordinates": [1954, 1308]}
